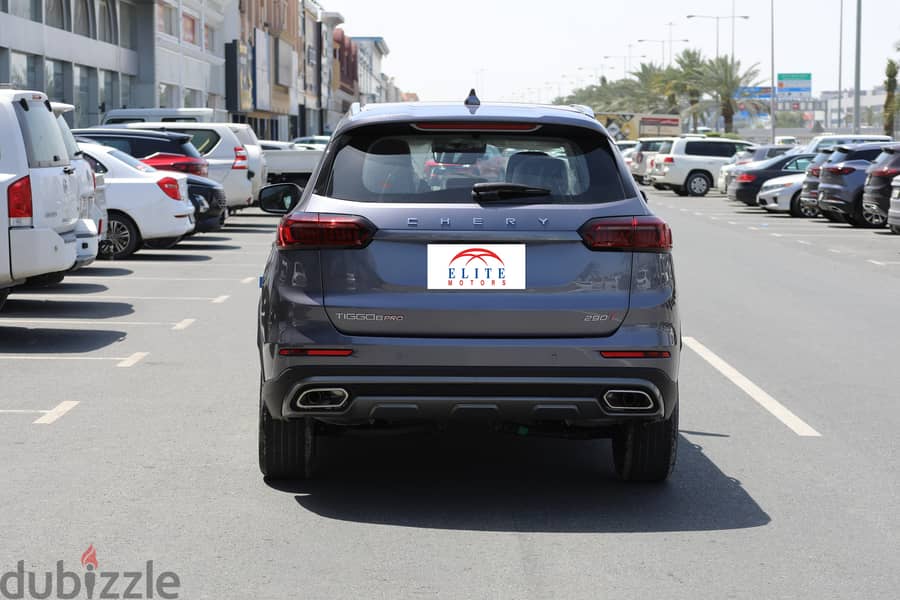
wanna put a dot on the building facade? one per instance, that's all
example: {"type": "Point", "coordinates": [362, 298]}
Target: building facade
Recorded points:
{"type": "Point", "coordinates": [105, 54]}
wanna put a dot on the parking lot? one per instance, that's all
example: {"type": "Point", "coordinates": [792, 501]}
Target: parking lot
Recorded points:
{"type": "Point", "coordinates": [130, 411]}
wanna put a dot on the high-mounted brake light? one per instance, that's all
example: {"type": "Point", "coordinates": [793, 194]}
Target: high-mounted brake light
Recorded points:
{"type": "Point", "coordinates": [240, 158]}
{"type": "Point", "coordinates": [169, 186]}
{"type": "Point", "coordinates": [635, 354]}
{"type": "Point", "coordinates": [645, 233]}
{"type": "Point", "coordinates": [18, 198]}
{"type": "Point", "coordinates": [475, 126]}
{"type": "Point", "coordinates": [313, 230]}
{"type": "Point", "coordinates": [315, 352]}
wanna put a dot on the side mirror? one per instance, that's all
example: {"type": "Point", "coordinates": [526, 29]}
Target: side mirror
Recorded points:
{"type": "Point", "coordinates": [279, 199]}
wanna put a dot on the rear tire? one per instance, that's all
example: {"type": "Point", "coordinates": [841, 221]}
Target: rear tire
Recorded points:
{"type": "Point", "coordinates": [286, 448]}
{"type": "Point", "coordinates": [697, 184]}
{"type": "Point", "coordinates": [122, 237]}
{"type": "Point", "coordinates": [646, 451]}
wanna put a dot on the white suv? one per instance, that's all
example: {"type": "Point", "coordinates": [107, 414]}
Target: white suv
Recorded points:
{"type": "Point", "coordinates": [239, 167]}
{"type": "Point", "coordinates": [690, 165]}
{"type": "Point", "coordinates": [40, 212]}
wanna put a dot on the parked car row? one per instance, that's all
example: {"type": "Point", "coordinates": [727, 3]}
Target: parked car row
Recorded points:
{"type": "Point", "coordinates": [845, 178]}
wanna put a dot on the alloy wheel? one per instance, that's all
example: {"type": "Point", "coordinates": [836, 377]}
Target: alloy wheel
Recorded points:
{"type": "Point", "coordinates": [118, 237]}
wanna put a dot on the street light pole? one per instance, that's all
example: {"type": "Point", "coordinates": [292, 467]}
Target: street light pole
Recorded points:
{"type": "Point", "coordinates": [840, 65]}
{"type": "Point", "coordinates": [774, 86]}
{"type": "Point", "coordinates": [718, 19]}
{"type": "Point", "coordinates": [856, 82]}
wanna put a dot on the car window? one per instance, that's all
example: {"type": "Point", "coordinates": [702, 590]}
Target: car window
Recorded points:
{"type": "Point", "coordinates": [96, 165]}
{"type": "Point", "coordinates": [122, 120]}
{"type": "Point", "coordinates": [68, 138]}
{"type": "Point", "coordinates": [869, 155]}
{"type": "Point", "coordinates": [719, 149]}
{"type": "Point", "coordinates": [391, 164]}
{"type": "Point", "coordinates": [798, 164]}
{"type": "Point", "coordinates": [665, 147]}
{"type": "Point", "coordinates": [204, 140]}
{"type": "Point", "coordinates": [179, 120]}
{"type": "Point", "coordinates": [44, 145]}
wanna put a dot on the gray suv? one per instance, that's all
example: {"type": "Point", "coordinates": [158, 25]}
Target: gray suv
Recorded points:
{"type": "Point", "coordinates": [535, 297]}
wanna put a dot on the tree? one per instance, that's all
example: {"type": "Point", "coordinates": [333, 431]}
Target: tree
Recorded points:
{"type": "Point", "coordinates": [723, 79]}
{"type": "Point", "coordinates": [890, 103]}
{"type": "Point", "coordinates": [689, 82]}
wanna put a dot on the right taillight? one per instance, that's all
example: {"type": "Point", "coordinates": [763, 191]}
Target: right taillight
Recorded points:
{"type": "Point", "coordinates": [815, 171]}
{"type": "Point", "coordinates": [314, 230]}
{"type": "Point", "coordinates": [169, 186]}
{"type": "Point", "coordinates": [745, 178]}
{"type": "Point", "coordinates": [886, 172]}
{"type": "Point", "coordinates": [240, 158]}
{"type": "Point", "coordinates": [645, 233]}
{"type": "Point", "coordinates": [18, 197]}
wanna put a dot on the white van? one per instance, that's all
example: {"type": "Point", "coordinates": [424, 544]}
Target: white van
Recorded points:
{"type": "Point", "coordinates": [38, 219]}
{"type": "Point", "coordinates": [121, 116]}
{"type": "Point", "coordinates": [830, 140]}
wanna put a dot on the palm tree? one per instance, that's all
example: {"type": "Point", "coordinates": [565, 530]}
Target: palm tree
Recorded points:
{"type": "Point", "coordinates": [723, 79]}
{"type": "Point", "coordinates": [689, 82]}
{"type": "Point", "coordinates": [890, 104]}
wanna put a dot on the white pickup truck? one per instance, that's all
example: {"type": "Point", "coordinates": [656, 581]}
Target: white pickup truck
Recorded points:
{"type": "Point", "coordinates": [290, 163]}
{"type": "Point", "coordinates": [40, 211]}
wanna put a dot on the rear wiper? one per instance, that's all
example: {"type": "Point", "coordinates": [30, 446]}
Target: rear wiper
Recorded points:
{"type": "Point", "coordinates": [504, 191]}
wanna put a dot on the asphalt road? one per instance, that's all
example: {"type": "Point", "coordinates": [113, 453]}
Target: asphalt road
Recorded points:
{"type": "Point", "coordinates": [786, 486]}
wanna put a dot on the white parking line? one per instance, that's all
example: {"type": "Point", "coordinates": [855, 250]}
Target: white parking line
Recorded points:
{"type": "Point", "coordinates": [91, 322]}
{"type": "Point", "coordinates": [804, 242]}
{"type": "Point", "coordinates": [732, 222]}
{"type": "Point", "coordinates": [133, 278]}
{"type": "Point", "coordinates": [834, 251]}
{"type": "Point", "coordinates": [132, 360]}
{"type": "Point", "coordinates": [60, 357]}
{"type": "Point", "coordinates": [776, 408]}
{"type": "Point", "coordinates": [220, 299]}
{"type": "Point", "coordinates": [99, 297]}
{"type": "Point", "coordinates": [56, 413]}
{"type": "Point", "coordinates": [247, 279]}
{"type": "Point", "coordinates": [183, 324]}
{"type": "Point", "coordinates": [776, 235]}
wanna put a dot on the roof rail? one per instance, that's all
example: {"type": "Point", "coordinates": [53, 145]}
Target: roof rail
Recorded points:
{"type": "Point", "coordinates": [584, 109]}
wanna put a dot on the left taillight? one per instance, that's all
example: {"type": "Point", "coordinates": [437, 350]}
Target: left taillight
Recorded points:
{"type": "Point", "coordinates": [641, 234]}
{"type": "Point", "coordinates": [18, 198]}
{"type": "Point", "coordinates": [309, 231]}
{"type": "Point", "coordinates": [169, 186]}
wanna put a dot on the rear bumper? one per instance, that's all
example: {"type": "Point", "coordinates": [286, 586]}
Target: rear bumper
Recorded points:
{"type": "Point", "coordinates": [40, 251]}
{"type": "Point", "coordinates": [877, 204]}
{"type": "Point", "coordinates": [893, 217]}
{"type": "Point", "coordinates": [744, 194]}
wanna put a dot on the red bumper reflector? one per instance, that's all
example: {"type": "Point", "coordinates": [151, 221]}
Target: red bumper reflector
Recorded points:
{"type": "Point", "coordinates": [635, 354]}
{"type": "Point", "coordinates": [314, 352]}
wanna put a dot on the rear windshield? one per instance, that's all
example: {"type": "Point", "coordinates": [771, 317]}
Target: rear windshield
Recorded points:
{"type": "Point", "coordinates": [141, 147]}
{"type": "Point", "coordinates": [649, 146]}
{"type": "Point", "coordinates": [44, 145]}
{"type": "Point", "coordinates": [246, 136]}
{"type": "Point", "coordinates": [885, 158]}
{"type": "Point", "coordinates": [821, 158]}
{"type": "Point", "coordinates": [665, 147]}
{"type": "Point", "coordinates": [397, 164]}
{"type": "Point", "coordinates": [204, 140]}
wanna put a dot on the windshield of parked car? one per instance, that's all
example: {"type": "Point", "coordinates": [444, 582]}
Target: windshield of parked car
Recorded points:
{"type": "Point", "coordinates": [396, 164]}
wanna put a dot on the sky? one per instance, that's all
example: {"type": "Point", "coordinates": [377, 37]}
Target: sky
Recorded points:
{"type": "Point", "coordinates": [528, 50]}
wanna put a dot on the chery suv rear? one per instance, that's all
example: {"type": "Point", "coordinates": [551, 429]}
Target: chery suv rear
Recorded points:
{"type": "Point", "coordinates": [536, 298]}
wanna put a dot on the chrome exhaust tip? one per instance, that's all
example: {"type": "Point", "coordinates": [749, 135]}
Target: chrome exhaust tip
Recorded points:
{"type": "Point", "coordinates": [322, 399]}
{"type": "Point", "coordinates": [626, 400]}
